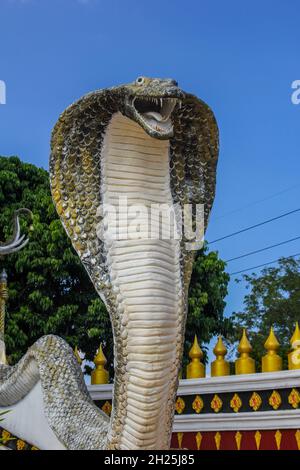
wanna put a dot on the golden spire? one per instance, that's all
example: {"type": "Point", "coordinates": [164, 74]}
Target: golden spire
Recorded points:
{"type": "Point", "coordinates": [271, 362]}
{"type": "Point", "coordinates": [220, 366]}
{"type": "Point", "coordinates": [244, 364]}
{"type": "Point", "coordinates": [99, 374]}
{"type": "Point", "coordinates": [294, 355]}
{"type": "Point", "coordinates": [195, 369]}
{"type": "Point", "coordinates": [77, 355]}
{"type": "Point", "coordinates": [3, 299]}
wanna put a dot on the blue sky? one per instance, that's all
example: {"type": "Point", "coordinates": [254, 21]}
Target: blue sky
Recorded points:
{"type": "Point", "coordinates": [240, 57]}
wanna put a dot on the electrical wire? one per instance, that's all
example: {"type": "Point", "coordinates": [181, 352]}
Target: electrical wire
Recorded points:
{"type": "Point", "coordinates": [261, 249]}
{"type": "Point", "coordinates": [254, 203]}
{"type": "Point", "coordinates": [254, 226]}
{"type": "Point", "coordinates": [264, 264]}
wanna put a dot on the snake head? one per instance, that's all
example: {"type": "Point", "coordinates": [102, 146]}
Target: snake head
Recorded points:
{"type": "Point", "coordinates": [150, 102]}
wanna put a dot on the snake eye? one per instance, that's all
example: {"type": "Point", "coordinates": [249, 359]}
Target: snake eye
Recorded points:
{"type": "Point", "coordinates": [140, 80]}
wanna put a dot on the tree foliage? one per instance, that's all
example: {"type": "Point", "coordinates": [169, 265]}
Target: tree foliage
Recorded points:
{"type": "Point", "coordinates": [273, 300]}
{"type": "Point", "coordinates": [49, 290]}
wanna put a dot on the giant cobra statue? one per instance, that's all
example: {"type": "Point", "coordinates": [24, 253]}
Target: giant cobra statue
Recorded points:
{"type": "Point", "coordinates": [151, 143]}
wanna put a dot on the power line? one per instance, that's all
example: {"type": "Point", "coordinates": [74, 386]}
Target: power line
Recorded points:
{"type": "Point", "coordinates": [264, 264]}
{"type": "Point", "coordinates": [254, 203]}
{"type": "Point", "coordinates": [254, 226]}
{"type": "Point", "coordinates": [262, 249]}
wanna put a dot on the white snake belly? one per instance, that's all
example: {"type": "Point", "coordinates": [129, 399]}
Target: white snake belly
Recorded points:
{"type": "Point", "coordinates": [146, 278]}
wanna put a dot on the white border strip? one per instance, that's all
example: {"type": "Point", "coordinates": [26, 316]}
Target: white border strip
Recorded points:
{"type": "Point", "coordinates": [231, 383]}
{"type": "Point", "coordinates": [241, 383]}
{"type": "Point", "coordinates": [261, 420]}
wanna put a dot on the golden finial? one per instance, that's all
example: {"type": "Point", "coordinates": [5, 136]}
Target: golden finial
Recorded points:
{"type": "Point", "coordinates": [77, 355]}
{"type": "Point", "coordinates": [195, 369]}
{"type": "Point", "coordinates": [294, 355]}
{"type": "Point", "coordinates": [219, 366]}
{"type": "Point", "coordinates": [99, 374]}
{"type": "Point", "coordinates": [244, 364]}
{"type": "Point", "coordinates": [3, 299]}
{"type": "Point", "coordinates": [271, 362]}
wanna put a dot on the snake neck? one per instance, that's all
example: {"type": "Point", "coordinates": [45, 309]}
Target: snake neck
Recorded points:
{"type": "Point", "coordinates": [148, 313]}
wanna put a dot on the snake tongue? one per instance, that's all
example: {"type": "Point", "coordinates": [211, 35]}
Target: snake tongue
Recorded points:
{"type": "Point", "coordinates": [153, 114]}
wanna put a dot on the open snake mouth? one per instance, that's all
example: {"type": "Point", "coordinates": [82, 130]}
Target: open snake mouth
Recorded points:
{"type": "Point", "coordinates": [155, 113]}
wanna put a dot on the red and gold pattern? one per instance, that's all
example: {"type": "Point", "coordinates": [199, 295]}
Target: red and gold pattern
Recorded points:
{"type": "Point", "coordinates": [283, 439]}
{"type": "Point", "coordinates": [180, 438]}
{"type": "Point", "coordinates": [218, 439]}
{"type": "Point", "coordinates": [216, 403]}
{"type": "Point", "coordinates": [198, 404]}
{"type": "Point", "coordinates": [278, 437]}
{"type": "Point", "coordinates": [198, 438]}
{"type": "Point", "coordinates": [107, 408]}
{"type": "Point", "coordinates": [275, 400]}
{"type": "Point", "coordinates": [238, 439]}
{"type": "Point", "coordinates": [235, 403]}
{"type": "Point", "coordinates": [180, 405]}
{"type": "Point", "coordinates": [297, 436]}
{"type": "Point", "coordinates": [255, 401]}
{"type": "Point", "coordinates": [257, 437]}
{"type": "Point", "coordinates": [294, 398]}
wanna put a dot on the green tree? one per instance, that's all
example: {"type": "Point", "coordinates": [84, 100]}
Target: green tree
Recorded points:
{"type": "Point", "coordinates": [273, 300]}
{"type": "Point", "coordinates": [49, 290]}
{"type": "Point", "coordinates": [208, 289]}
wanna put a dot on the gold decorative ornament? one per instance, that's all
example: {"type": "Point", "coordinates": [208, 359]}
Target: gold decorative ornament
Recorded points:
{"type": "Point", "coordinates": [294, 398]}
{"type": "Point", "coordinates": [99, 375]}
{"type": "Point", "coordinates": [5, 436]}
{"type": "Point", "coordinates": [271, 362]}
{"type": "Point", "coordinates": [198, 440]}
{"type": "Point", "coordinates": [34, 448]}
{"type": "Point", "coordinates": [238, 439]}
{"type": "Point", "coordinates": [244, 364]}
{"type": "Point", "coordinates": [77, 355]}
{"type": "Point", "coordinates": [107, 407]}
{"type": "Point", "coordinates": [278, 437]}
{"type": "Point", "coordinates": [198, 404]}
{"type": "Point", "coordinates": [275, 400]}
{"type": "Point", "coordinates": [216, 403]}
{"type": "Point", "coordinates": [180, 438]}
{"type": "Point", "coordinates": [235, 403]}
{"type": "Point", "coordinates": [255, 401]}
{"type": "Point", "coordinates": [20, 444]}
{"type": "Point", "coordinates": [257, 437]}
{"type": "Point", "coordinates": [218, 440]}
{"type": "Point", "coordinates": [297, 437]}
{"type": "Point", "coordinates": [219, 366]}
{"type": "Point", "coordinates": [179, 405]}
{"type": "Point", "coordinates": [195, 369]}
{"type": "Point", "coordinates": [294, 355]}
